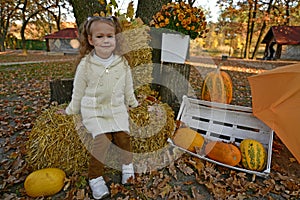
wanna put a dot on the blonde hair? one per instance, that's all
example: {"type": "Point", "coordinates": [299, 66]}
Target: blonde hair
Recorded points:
{"type": "Point", "coordinates": [85, 30]}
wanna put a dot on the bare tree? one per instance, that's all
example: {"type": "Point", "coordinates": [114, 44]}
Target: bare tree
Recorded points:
{"type": "Point", "coordinates": [253, 7]}
{"type": "Point", "coordinates": [7, 13]}
{"type": "Point", "coordinates": [57, 15]}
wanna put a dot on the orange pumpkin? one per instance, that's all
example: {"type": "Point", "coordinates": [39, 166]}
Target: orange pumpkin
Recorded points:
{"type": "Point", "coordinates": [217, 87]}
{"type": "Point", "coordinates": [223, 152]}
{"type": "Point", "coordinates": [188, 139]}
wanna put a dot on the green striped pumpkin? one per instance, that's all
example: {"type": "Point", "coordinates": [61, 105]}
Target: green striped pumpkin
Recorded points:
{"type": "Point", "coordinates": [254, 156]}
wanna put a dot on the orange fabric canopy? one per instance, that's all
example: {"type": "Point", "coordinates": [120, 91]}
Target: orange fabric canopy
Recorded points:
{"type": "Point", "coordinates": [276, 101]}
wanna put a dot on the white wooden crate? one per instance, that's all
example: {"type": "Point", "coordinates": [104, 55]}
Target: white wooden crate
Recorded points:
{"type": "Point", "coordinates": [228, 123]}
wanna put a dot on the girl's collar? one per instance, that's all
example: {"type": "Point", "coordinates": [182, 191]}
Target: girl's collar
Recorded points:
{"type": "Point", "coordinates": [111, 57]}
{"type": "Point", "coordinates": [93, 58]}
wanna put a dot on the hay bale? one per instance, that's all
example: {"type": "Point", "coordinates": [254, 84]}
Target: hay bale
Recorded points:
{"type": "Point", "coordinates": [58, 141]}
{"type": "Point", "coordinates": [138, 51]}
{"type": "Point", "coordinates": [150, 126]}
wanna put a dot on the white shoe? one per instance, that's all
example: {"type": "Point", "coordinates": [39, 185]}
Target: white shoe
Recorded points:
{"type": "Point", "coordinates": [99, 188]}
{"type": "Point", "coordinates": [127, 172]}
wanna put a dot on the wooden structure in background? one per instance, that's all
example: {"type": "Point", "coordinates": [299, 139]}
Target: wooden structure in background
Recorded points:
{"type": "Point", "coordinates": [287, 42]}
{"type": "Point", "coordinates": [64, 41]}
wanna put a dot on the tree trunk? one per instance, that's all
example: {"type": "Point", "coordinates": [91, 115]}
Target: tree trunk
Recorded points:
{"type": "Point", "coordinates": [247, 43]}
{"type": "Point", "coordinates": [287, 12]}
{"type": "Point", "coordinates": [61, 90]}
{"type": "Point", "coordinates": [252, 26]}
{"type": "Point", "coordinates": [84, 9]}
{"type": "Point", "coordinates": [278, 51]}
{"type": "Point", "coordinates": [3, 32]}
{"type": "Point", "coordinates": [23, 38]}
{"type": "Point", "coordinates": [147, 8]}
{"type": "Point", "coordinates": [2, 46]}
{"type": "Point", "coordinates": [259, 39]}
{"type": "Point", "coordinates": [58, 18]}
{"type": "Point", "coordinates": [262, 31]}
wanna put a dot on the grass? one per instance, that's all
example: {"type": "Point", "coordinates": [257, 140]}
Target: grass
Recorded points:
{"type": "Point", "coordinates": [18, 56]}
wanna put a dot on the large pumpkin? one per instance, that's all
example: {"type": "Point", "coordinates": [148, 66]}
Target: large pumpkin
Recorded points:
{"type": "Point", "coordinates": [44, 182]}
{"type": "Point", "coordinates": [223, 152]}
{"type": "Point", "coordinates": [217, 87]}
{"type": "Point", "coordinates": [254, 155]}
{"type": "Point", "coordinates": [188, 139]}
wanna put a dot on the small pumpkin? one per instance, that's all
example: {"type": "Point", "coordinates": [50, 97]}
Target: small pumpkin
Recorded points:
{"type": "Point", "coordinates": [188, 139]}
{"type": "Point", "coordinates": [44, 182]}
{"type": "Point", "coordinates": [254, 155]}
{"type": "Point", "coordinates": [223, 152]}
{"type": "Point", "coordinates": [217, 87]}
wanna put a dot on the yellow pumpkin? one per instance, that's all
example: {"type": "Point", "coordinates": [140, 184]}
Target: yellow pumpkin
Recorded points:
{"type": "Point", "coordinates": [254, 155]}
{"type": "Point", "coordinates": [217, 87]}
{"type": "Point", "coordinates": [223, 152]}
{"type": "Point", "coordinates": [188, 139]}
{"type": "Point", "coordinates": [44, 182]}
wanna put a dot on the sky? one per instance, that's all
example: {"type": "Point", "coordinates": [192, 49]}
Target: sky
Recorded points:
{"type": "Point", "coordinates": [206, 4]}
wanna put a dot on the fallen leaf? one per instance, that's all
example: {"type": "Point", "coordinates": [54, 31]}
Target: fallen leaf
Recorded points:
{"type": "Point", "coordinates": [196, 194]}
{"type": "Point", "coordinates": [115, 189]}
{"type": "Point", "coordinates": [183, 167]}
{"type": "Point", "coordinates": [165, 191]}
{"type": "Point", "coordinates": [292, 160]}
{"type": "Point", "coordinates": [172, 170]}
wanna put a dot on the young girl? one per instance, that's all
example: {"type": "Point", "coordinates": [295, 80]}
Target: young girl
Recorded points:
{"type": "Point", "coordinates": [102, 93]}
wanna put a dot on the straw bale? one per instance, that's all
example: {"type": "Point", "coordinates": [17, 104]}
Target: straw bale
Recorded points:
{"type": "Point", "coordinates": [58, 141]}
{"type": "Point", "coordinates": [151, 123]}
{"type": "Point", "coordinates": [138, 51]}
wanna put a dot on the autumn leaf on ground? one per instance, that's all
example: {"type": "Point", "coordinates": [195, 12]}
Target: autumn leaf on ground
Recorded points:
{"type": "Point", "coordinates": [197, 163]}
{"type": "Point", "coordinates": [115, 189]}
{"type": "Point", "coordinates": [165, 191]}
{"type": "Point", "coordinates": [196, 194]}
{"type": "Point", "coordinates": [185, 168]}
{"type": "Point", "coordinates": [172, 170]}
{"type": "Point", "coordinates": [292, 160]}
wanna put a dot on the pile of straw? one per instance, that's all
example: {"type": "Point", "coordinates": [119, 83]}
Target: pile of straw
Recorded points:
{"type": "Point", "coordinates": [151, 124]}
{"type": "Point", "coordinates": [58, 141]}
{"type": "Point", "coordinates": [138, 52]}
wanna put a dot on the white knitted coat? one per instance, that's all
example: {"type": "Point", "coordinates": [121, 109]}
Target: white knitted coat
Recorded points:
{"type": "Point", "coordinates": [102, 95]}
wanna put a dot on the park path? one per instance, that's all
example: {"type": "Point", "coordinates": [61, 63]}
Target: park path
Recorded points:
{"type": "Point", "coordinates": [34, 56]}
{"type": "Point", "coordinates": [36, 61]}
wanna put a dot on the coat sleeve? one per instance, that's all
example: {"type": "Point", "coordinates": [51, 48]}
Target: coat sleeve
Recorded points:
{"type": "Point", "coordinates": [130, 98]}
{"type": "Point", "coordinates": [79, 86]}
